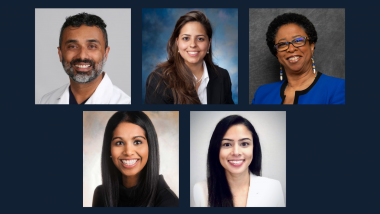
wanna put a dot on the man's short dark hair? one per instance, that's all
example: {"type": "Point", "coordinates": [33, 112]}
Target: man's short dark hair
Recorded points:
{"type": "Point", "coordinates": [84, 19]}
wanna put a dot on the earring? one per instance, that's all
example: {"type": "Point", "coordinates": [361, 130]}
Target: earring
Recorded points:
{"type": "Point", "coordinates": [111, 156]}
{"type": "Point", "coordinates": [207, 51]}
{"type": "Point", "coordinates": [281, 72]}
{"type": "Point", "coordinates": [178, 51]}
{"type": "Point", "coordinates": [312, 60]}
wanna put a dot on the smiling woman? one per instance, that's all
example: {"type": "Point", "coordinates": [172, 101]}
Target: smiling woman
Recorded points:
{"type": "Point", "coordinates": [130, 165]}
{"type": "Point", "coordinates": [234, 169]}
{"type": "Point", "coordinates": [189, 76]}
{"type": "Point", "coordinates": [292, 39]}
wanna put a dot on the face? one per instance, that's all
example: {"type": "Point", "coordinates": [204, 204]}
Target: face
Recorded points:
{"type": "Point", "coordinates": [193, 43]}
{"type": "Point", "coordinates": [83, 53]}
{"type": "Point", "coordinates": [236, 151]}
{"type": "Point", "coordinates": [295, 59]}
{"type": "Point", "coordinates": [129, 149]}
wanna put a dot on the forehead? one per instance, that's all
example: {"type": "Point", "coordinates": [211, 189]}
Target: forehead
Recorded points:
{"type": "Point", "coordinates": [128, 130]}
{"type": "Point", "coordinates": [289, 30]}
{"type": "Point", "coordinates": [238, 132]}
{"type": "Point", "coordinates": [82, 33]}
{"type": "Point", "coordinates": [193, 28]}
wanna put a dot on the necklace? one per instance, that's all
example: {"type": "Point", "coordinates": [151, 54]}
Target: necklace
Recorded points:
{"type": "Point", "coordinates": [199, 80]}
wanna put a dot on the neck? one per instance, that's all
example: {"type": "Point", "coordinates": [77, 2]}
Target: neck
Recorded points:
{"type": "Point", "coordinates": [82, 91]}
{"type": "Point", "coordinates": [196, 69]}
{"type": "Point", "coordinates": [238, 182]}
{"type": "Point", "coordinates": [302, 80]}
{"type": "Point", "coordinates": [130, 181]}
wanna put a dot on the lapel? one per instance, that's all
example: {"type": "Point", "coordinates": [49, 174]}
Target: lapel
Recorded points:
{"type": "Point", "coordinates": [254, 193]}
{"type": "Point", "coordinates": [213, 93]}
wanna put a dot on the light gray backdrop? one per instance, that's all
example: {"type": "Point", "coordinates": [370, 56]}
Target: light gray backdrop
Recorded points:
{"type": "Point", "coordinates": [49, 73]}
{"type": "Point", "coordinates": [270, 127]}
{"type": "Point", "coordinates": [94, 123]}
{"type": "Point", "coordinates": [329, 55]}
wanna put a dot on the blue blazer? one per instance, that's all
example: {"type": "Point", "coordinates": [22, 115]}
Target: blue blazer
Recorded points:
{"type": "Point", "coordinates": [324, 90]}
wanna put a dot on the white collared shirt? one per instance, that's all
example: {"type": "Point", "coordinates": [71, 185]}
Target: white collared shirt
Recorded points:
{"type": "Point", "coordinates": [105, 93]}
{"type": "Point", "coordinates": [202, 90]}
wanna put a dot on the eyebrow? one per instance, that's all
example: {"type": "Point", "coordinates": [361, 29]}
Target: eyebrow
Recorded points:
{"type": "Point", "coordinates": [233, 140]}
{"type": "Point", "coordinates": [132, 138]}
{"type": "Point", "coordinates": [75, 41]}
{"type": "Point", "coordinates": [190, 35]}
{"type": "Point", "coordinates": [292, 37]}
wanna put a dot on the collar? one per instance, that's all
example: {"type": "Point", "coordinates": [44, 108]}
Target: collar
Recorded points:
{"type": "Point", "coordinates": [298, 93]}
{"type": "Point", "coordinates": [205, 72]}
{"type": "Point", "coordinates": [101, 95]}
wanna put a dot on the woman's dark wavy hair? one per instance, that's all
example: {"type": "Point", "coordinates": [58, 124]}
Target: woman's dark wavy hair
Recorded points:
{"type": "Point", "coordinates": [145, 191]}
{"type": "Point", "coordinates": [85, 19]}
{"type": "Point", "coordinates": [285, 19]}
{"type": "Point", "coordinates": [174, 73]}
{"type": "Point", "coordinates": [218, 188]}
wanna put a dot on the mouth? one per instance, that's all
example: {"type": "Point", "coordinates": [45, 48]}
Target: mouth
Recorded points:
{"type": "Point", "coordinates": [129, 163]}
{"type": "Point", "coordinates": [83, 67]}
{"type": "Point", "coordinates": [236, 163]}
{"type": "Point", "coordinates": [193, 53]}
{"type": "Point", "coordinates": [293, 59]}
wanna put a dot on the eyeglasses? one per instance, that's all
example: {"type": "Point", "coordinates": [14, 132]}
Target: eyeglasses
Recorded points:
{"type": "Point", "coordinates": [298, 42]}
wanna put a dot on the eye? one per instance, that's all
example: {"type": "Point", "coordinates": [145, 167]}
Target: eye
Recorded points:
{"type": "Point", "coordinates": [244, 144]}
{"type": "Point", "coordinates": [137, 142]}
{"type": "Point", "coordinates": [185, 38]}
{"type": "Point", "coordinates": [118, 143]}
{"type": "Point", "coordinates": [201, 39]}
{"type": "Point", "coordinates": [71, 46]}
{"type": "Point", "coordinates": [226, 144]}
{"type": "Point", "coordinates": [92, 46]}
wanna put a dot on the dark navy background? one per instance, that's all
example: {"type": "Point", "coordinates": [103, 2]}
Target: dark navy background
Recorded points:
{"type": "Point", "coordinates": [332, 151]}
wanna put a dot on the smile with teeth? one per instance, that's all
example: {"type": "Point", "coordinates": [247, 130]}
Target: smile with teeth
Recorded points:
{"type": "Point", "coordinates": [236, 162]}
{"type": "Point", "coordinates": [82, 66]}
{"type": "Point", "coordinates": [294, 59]}
{"type": "Point", "coordinates": [129, 163]}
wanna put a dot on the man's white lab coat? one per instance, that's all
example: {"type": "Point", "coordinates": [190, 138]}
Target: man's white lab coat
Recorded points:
{"type": "Point", "coordinates": [105, 93]}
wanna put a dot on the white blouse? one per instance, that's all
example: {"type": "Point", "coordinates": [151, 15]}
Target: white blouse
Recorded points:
{"type": "Point", "coordinates": [263, 192]}
{"type": "Point", "coordinates": [202, 90]}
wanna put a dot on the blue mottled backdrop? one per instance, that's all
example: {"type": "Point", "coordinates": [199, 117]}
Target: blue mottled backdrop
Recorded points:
{"type": "Point", "coordinates": [158, 25]}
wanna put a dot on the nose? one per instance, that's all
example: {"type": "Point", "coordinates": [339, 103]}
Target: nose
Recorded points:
{"type": "Point", "coordinates": [193, 43]}
{"type": "Point", "coordinates": [83, 54]}
{"type": "Point", "coordinates": [291, 48]}
{"type": "Point", "coordinates": [236, 150]}
{"type": "Point", "coordinates": [128, 150]}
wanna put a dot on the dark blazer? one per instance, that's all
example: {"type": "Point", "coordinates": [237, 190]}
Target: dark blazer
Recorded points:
{"type": "Point", "coordinates": [218, 88]}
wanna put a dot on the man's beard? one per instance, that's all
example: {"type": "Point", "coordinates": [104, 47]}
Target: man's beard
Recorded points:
{"type": "Point", "coordinates": [83, 77]}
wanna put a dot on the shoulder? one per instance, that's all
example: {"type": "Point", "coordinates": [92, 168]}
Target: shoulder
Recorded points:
{"type": "Point", "coordinates": [335, 87]}
{"type": "Point", "coordinates": [52, 96]}
{"type": "Point", "coordinates": [201, 194]}
{"type": "Point", "coordinates": [265, 94]}
{"type": "Point", "coordinates": [119, 97]}
{"type": "Point", "coordinates": [264, 180]}
{"type": "Point", "coordinates": [165, 196]}
{"type": "Point", "coordinates": [98, 197]}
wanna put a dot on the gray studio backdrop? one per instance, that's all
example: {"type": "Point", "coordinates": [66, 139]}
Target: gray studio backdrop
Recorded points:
{"type": "Point", "coordinates": [270, 127]}
{"type": "Point", "coordinates": [49, 74]}
{"type": "Point", "coordinates": [329, 55]}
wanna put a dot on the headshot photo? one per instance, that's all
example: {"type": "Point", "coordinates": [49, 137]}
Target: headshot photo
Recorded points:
{"type": "Point", "coordinates": [297, 56]}
{"type": "Point", "coordinates": [130, 159]}
{"type": "Point", "coordinates": [82, 56]}
{"type": "Point", "coordinates": [238, 159]}
{"type": "Point", "coordinates": [190, 56]}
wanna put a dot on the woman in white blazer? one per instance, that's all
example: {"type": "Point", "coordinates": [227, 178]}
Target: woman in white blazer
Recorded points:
{"type": "Point", "coordinates": [234, 169]}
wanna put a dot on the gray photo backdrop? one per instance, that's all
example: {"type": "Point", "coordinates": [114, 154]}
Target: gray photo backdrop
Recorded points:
{"type": "Point", "coordinates": [49, 73]}
{"type": "Point", "coordinates": [329, 54]}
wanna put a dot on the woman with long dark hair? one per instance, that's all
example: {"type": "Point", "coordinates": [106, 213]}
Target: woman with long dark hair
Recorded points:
{"type": "Point", "coordinates": [130, 165]}
{"type": "Point", "coordinates": [234, 169]}
{"type": "Point", "coordinates": [189, 76]}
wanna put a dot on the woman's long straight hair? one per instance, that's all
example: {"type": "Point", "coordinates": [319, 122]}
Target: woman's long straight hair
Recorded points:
{"type": "Point", "coordinates": [174, 73]}
{"type": "Point", "coordinates": [145, 191]}
{"type": "Point", "coordinates": [219, 193]}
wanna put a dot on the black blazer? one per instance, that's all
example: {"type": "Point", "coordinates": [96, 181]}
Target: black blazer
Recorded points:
{"type": "Point", "coordinates": [218, 89]}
